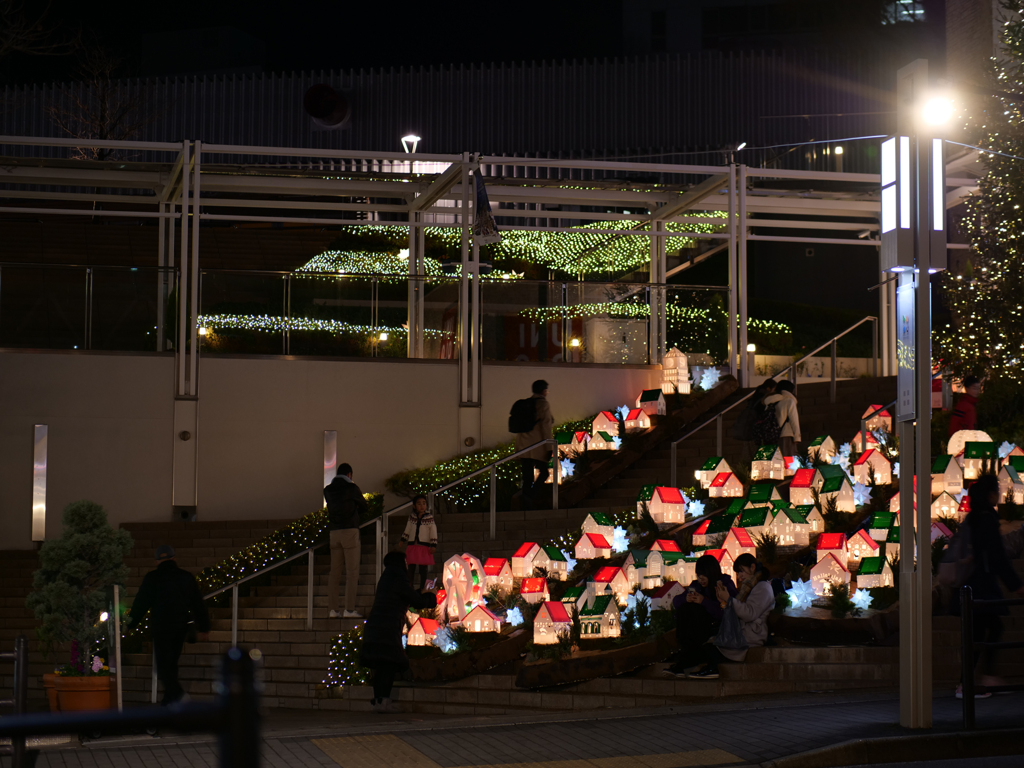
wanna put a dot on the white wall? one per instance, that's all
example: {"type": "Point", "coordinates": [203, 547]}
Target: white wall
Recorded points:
{"type": "Point", "coordinates": [261, 424]}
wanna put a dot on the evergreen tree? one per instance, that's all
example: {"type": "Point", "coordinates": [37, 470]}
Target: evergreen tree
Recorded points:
{"type": "Point", "coordinates": [986, 333]}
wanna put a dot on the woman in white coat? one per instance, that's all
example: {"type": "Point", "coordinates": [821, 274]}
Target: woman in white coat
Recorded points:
{"type": "Point", "coordinates": [786, 416]}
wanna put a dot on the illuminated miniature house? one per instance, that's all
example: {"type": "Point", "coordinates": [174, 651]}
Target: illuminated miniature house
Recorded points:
{"type": "Point", "coordinates": [551, 622]}
{"type": "Point", "coordinates": [675, 373]}
{"type": "Point", "coordinates": [651, 402]}
{"type": "Point", "coordinates": [604, 440]}
{"type": "Point", "coordinates": [710, 469]}
{"type": "Point", "coordinates": [860, 545]}
{"type": "Point", "coordinates": [678, 567]}
{"type": "Point", "coordinates": [605, 421]}
{"type": "Point", "coordinates": [463, 578]}
{"type": "Point", "coordinates": [553, 562]}
{"type": "Point", "coordinates": [725, 560]}
{"type": "Point", "coordinates": [958, 440]}
{"type": "Point", "coordinates": [713, 529]}
{"type": "Point", "coordinates": [803, 486]}
{"type": "Point", "coordinates": [838, 488]}
{"type": "Point", "coordinates": [813, 517]}
{"type": "Point", "coordinates": [644, 569]}
{"type": "Point", "coordinates": [976, 457]}
{"type": "Point", "coordinates": [894, 502]}
{"type": "Point", "coordinates": [755, 521]}
{"type": "Point", "coordinates": [826, 571]}
{"type": "Point", "coordinates": [600, 618]}
{"type": "Point", "coordinates": [498, 573]}
{"type": "Point", "coordinates": [789, 525]}
{"type": "Point", "coordinates": [940, 530]}
{"type": "Point", "coordinates": [667, 506]}
{"type": "Point", "coordinates": [574, 596]}
{"type": "Point", "coordinates": [665, 545]}
{"type": "Point", "coordinates": [855, 442]}
{"type": "Point", "coordinates": [662, 599]}
{"type": "Point", "coordinates": [881, 420]}
{"type": "Point", "coordinates": [580, 441]}
{"type": "Point", "coordinates": [768, 464]}
{"type": "Point", "coordinates": [822, 449]}
{"type": "Point", "coordinates": [880, 524]}
{"type": "Point", "coordinates": [522, 560]}
{"type": "Point", "coordinates": [725, 484]}
{"type": "Point", "coordinates": [615, 579]}
{"type": "Point", "coordinates": [738, 542]}
{"type": "Point", "coordinates": [422, 632]}
{"type": "Point", "coordinates": [1010, 485]}
{"type": "Point", "coordinates": [762, 494]}
{"type": "Point", "coordinates": [874, 572]}
{"type": "Point", "coordinates": [947, 476]}
{"type": "Point", "coordinates": [872, 463]}
{"type": "Point", "coordinates": [1015, 453]}
{"type": "Point", "coordinates": [481, 620]}
{"type": "Point", "coordinates": [599, 523]}
{"type": "Point", "coordinates": [945, 506]}
{"type": "Point", "coordinates": [833, 544]}
{"type": "Point", "coordinates": [593, 546]}
{"type": "Point", "coordinates": [534, 590]}
{"type": "Point", "coordinates": [637, 419]}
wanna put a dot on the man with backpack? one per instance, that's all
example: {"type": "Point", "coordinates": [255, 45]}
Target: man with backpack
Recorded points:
{"type": "Point", "coordinates": [784, 431]}
{"type": "Point", "coordinates": [743, 427]}
{"type": "Point", "coordinates": [531, 421]}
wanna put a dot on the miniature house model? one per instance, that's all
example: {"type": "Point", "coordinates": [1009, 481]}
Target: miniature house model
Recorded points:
{"type": "Point", "coordinates": [574, 596]}
{"type": "Point", "coordinates": [651, 402]}
{"type": "Point", "coordinates": [615, 579]}
{"type": "Point", "coordinates": [603, 440]}
{"type": "Point", "coordinates": [976, 456]}
{"type": "Point", "coordinates": [755, 521]}
{"type": "Point", "coordinates": [805, 482]}
{"type": "Point", "coordinates": [871, 440]}
{"type": "Point", "coordinates": [880, 524]}
{"type": "Point", "coordinates": [768, 464]}
{"type": "Point", "coordinates": [644, 569]}
{"type": "Point", "coordinates": [675, 373]}
{"type": "Point", "coordinates": [605, 421]}
{"type": "Point", "coordinates": [725, 560]}
{"type": "Point", "coordinates": [940, 530]}
{"type": "Point", "coordinates": [790, 527]}
{"type": "Point", "coordinates": [551, 621]}
{"type": "Point", "coordinates": [599, 523]}
{"type": "Point", "coordinates": [422, 632]}
{"type": "Point", "coordinates": [522, 560]}
{"type": "Point", "coordinates": [498, 573]}
{"type": "Point", "coordinates": [761, 494]}
{"type": "Point", "coordinates": [600, 618]}
{"type": "Point", "coordinates": [1015, 453]}
{"type": "Point", "coordinates": [874, 572]}
{"type": "Point", "coordinates": [637, 419]}
{"type": "Point", "coordinates": [713, 529]}
{"type": "Point", "coordinates": [872, 465]}
{"type": "Point", "coordinates": [534, 590]}
{"type": "Point", "coordinates": [553, 561]}
{"type": "Point", "coordinates": [833, 544]}
{"type": "Point", "coordinates": [678, 567]}
{"type": "Point", "coordinates": [826, 571]}
{"type": "Point", "coordinates": [665, 545]}
{"type": "Point", "coordinates": [592, 546]}
{"type": "Point", "coordinates": [945, 506]}
{"type": "Point", "coordinates": [580, 440]}
{"type": "Point", "coordinates": [1011, 488]}
{"type": "Point", "coordinates": [947, 476]}
{"type": "Point", "coordinates": [725, 484]}
{"type": "Point", "coordinates": [861, 545]}
{"type": "Point", "coordinates": [739, 542]}
{"type": "Point", "coordinates": [822, 449]}
{"type": "Point", "coordinates": [711, 468]}
{"type": "Point", "coordinates": [662, 599]}
{"type": "Point", "coordinates": [667, 506]}
{"type": "Point", "coordinates": [881, 420]}
{"type": "Point", "coordinates": [813, 517]}
{"type": "Point", "coordinates": [481, 620]}
{"type": "Point", "coordinates": [838, 488]}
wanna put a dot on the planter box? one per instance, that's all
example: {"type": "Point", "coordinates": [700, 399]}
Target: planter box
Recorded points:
{"type": "Point", "coordinates": [75, 694]}
{"type": "Point", "coordinates": [461, 665]}
{"type": "Point", "coordinates": [588, 666]}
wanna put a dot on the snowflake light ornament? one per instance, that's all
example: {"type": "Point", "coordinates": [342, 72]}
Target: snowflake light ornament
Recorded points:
{"type": "Point", "coordinates": [634, 598]}
{"type": "Point", "coordinates": [570, 561]}
{"type": "Point", "coordinates": [443, 639]}
{"type": "Point", "coordinates": [620, 541]}
{"type": "Point", "coordinates": [1005, 448]}
{"type": "Point", "coordinates": [800, 594]}
{"type": "Point", "coordinates": [405, 641]}
{"type": "Point", "coordinates": [709, 379]}
{"type": "Point", "coordinates": [861, 494]}
{"type": "Point", "coordinates": [695, 508]}
{"type": "Point", "coordinates": [616, 442]}
{"type": "Point", "coordinates": [514, 617]}
{"type": "Point", "coordinates": [844, 450]}
{"type": "Point", "coordinates": [795, 464]}
{"type": "Point", "coordinates": [862, 599]}
{"type": "Point", "coordinates": [895, 469]}
{"type": "Point", "coordinates": [566, 467]}
{"type": "Point", "coordinates": [622, 411]}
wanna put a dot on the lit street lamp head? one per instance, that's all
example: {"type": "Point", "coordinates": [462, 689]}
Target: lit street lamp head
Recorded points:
{"type": "Point", "coordinates": [937, 110]}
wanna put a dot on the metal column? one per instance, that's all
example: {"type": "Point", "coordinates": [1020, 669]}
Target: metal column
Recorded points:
{"type": "Point", "coordinates": [417, 287]}
{"type": "Point", "coordinates": [741, 275]}
{"type": "Point", "coordinates": [183, 272]}
{"type": "Point", "coordinates": [732, 270]}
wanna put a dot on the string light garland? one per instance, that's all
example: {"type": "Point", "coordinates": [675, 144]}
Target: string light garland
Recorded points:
{"type": "Point", "coordinates": [271, 324]}
{"type": "Point", "coordinates": [343, 660]}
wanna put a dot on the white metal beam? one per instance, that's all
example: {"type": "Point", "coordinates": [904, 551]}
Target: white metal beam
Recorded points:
{"type": "Point", "coordinates": [438, 188]}
{"type": "Point", "coordinates": [689, 199]}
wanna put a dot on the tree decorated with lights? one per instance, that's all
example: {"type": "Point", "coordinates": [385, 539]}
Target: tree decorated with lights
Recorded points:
{"type": "Point", "coordinates": [986, 333]}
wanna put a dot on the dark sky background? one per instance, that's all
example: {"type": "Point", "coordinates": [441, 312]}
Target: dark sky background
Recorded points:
{"type": "Point", "coordinates": [302, 34]}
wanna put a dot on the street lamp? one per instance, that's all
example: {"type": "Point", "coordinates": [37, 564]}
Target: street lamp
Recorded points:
{"type": "Point", "coordinates": [409, 143]}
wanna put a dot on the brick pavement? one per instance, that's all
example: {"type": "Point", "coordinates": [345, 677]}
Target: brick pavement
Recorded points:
{"type": "Point", "coordinates": [733, 733]}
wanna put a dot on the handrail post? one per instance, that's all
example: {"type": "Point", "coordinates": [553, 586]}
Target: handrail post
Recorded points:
{"type": "Point", "coordinates": [555, 467]}
{"type": "Point", "coordinates": [234, 616]}
{"type": "Point", "coordinates": [20, 698]}
{"type": "Point", "coordinates": [494, 501]}
{"type": "Point", "coordinates": [673, 452]}
{"type": "Point", "coordinates": [152, 693]}
{"type": "Point", "coordinates": [309, 592]}
{"type": "Point", "coordinates": [874, 346]}
{"type": "Point", "coordinates": [967, 654]}
{"type": "Point", "coordinates": [117, 647]}
{"type": "Point", "coordinates": [832, 388]}
{"type": "Point", "coordinates": [379, 531]}
{"type": "Point", "coordinates": [718, 424]}
{"type": "Point", "coordinates": [240, 740]}
{"type": "Point", "coordinates": [863, 435]}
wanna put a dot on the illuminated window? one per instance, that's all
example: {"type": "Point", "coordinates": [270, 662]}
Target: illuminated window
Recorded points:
{"type": "Point", "coordinates": [902, 11]}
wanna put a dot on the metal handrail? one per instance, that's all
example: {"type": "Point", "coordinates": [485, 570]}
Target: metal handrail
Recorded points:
{"type": "Point", "coordinates": [19, 699]}
{"type": "Point", "coordinates": [967, 646]}
{"type": "Point", "coordinates": [792, 368]}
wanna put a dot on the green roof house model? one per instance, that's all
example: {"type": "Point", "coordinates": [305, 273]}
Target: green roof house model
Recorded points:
{"type": "Point", "coordinates": [711, 465]}
{"type": "Point", "coordinates": [765, 452]}
{"type": "Point", "coordinates": [762, 493]}
{"type": "Point", "coordinates": [941, 464]}
{"type": "Point", "coordinates": [757, 518]}
{"type": "Point", "coordinates": [821, 449]}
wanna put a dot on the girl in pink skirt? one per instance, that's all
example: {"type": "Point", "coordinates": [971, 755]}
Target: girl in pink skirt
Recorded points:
{"type": "Point", "coordinates": [420, 540]}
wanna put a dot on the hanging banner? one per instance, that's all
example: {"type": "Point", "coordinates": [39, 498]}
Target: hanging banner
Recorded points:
{"type": "Point", "coordinates": [485, 230]}
{"type": "Point", "coordinates": [905, 402]}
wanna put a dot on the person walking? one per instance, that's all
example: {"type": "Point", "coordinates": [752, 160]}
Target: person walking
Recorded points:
{"type": "Point", "coordinates": [786, 416]}
{"type": "Point", "coordinates": [743, 427]}
{"type": "Point", "coordinates": [531, 421]}
{"type": "Point", "coordinates": [345, 506]}
{"type": "Point", "coordinates": [965, 415]}
{"type": "Point", "coordinates": [171, 595]}
{"type": "Point", "coordinates": [419, 540]}
{"type": "Point", "coordinates": [382, 649]}
{"type": "Point", "coordinates": [989, 565]}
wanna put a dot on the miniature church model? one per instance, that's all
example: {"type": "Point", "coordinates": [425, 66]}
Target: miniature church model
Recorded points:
{"type": "Point", "coordinates": [675, 373]}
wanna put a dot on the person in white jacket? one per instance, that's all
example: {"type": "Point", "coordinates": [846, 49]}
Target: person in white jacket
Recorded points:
{"type": "Point", "coordinates": [786, 416]}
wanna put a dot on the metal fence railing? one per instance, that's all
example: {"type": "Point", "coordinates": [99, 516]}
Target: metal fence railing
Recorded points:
{"type": "Point", "coordinates": [19, 699]}
{"type": "Point", "coordinates": [969, 645]}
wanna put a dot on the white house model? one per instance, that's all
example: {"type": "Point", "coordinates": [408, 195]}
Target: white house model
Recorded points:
{"type": "Point", "coordinates": [599, 523]}
{"type": "Point", "coordinates": [880, 524]}
{"type": "Point", "coordinates": [855, 441]}
{"type": "Point", "coordinates": [498, 573]}
{"type": "Point", "coordinates": [838, 488]}
{"type": "Point", "coordinates": [711, 468]}
{"type": "Point", "coordinates": [667, 506]}
{"type": "Point", "coordinates": [725, 560]}
{"type": "Point", "coordinates": [833, 544]}
{"type": "Point", "coordinates": [945, 506]}
{"type": "Point", "coordinates": [553, 561]}
{"type": "Point", "coordinates": [881, 420]}
{"type": "Point", "coordinates": [662, 599]}
{"type": "Point", "coordinates": [481, 620]}
{"type": "Point", "coordinates": [976, 456]}
{"type": "Point", "coordinates": [675, 373]}
{"type": "Point", "coordinates": [592, 546]}
{"type": "Point", "coordinates": [605, 421]}
{"type": "Point", "coordinates": [822, 449]}
{"type": "Point", "coordinates": [637, 419]}
{"type": "Point", "coordinates": [940, 530]}
{"type": "Point", "coordinates": [725, 485]}
{"type": "Point", "coordinates": [826, 571]}
{"type": "Point", "coordinates": [874, 572]}
{"type": "Point", "coordinates": [803, 485]}
{"type": "Point", "coordinates": [813, 517]}
{"type": "Point", "coordinates": [768, 464]}
{"type": "Point", "coordinates": [551, 621]}
{"type": "Point", "coordinates": [422, 632]}
{"type": "Point", "coordinates": [651, 402]}
{"type": "Point", "coordinates": [600, 618]}
{"type": "Point", "coordinates": [739, 542]}
{"type": "Point", "coordinates": [534, 590]}
{"type": "Point", "coordinates": [861, 545]}
{"type": "Point", "coordinates": [580, 440]}
{"type": "Point", "coordinates": [615, 579]}
{"type": "Point", "coordinates": [790, 527]}
{"type": "Point", "coordinates": [603, 440]}
{"type": "Point", "coordinates": [1010, 485]}
{"type": "Point", "coordinates": [879, 466]}
{"type": "Point", "coordinates": [947, 476]}
{"type": "Point", "coordinates": [522, 560]}
{"type": "Point", "coordinates": [756, 520]}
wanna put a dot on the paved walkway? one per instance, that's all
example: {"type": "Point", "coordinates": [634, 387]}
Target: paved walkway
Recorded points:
{"type": "Point", "coordinates": [731, 733]}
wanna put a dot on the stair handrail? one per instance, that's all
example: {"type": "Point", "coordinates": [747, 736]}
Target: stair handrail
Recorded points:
{"type": "Point", "coordinates": [380, 524]}
{"type": "Point", "coordinates": [792, 369]}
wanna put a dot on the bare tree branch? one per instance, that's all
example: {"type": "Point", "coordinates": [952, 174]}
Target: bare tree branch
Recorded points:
{"type": "Point", "coordinates": [31, 34]}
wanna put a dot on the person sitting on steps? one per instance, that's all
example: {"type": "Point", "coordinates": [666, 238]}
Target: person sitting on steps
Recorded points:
{"type": "Point", "coordinates": [698, 611]}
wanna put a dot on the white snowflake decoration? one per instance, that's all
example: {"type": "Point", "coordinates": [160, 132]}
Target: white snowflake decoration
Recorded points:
{"type": "Point", "coordinates": [514, 617]}
{"type": "Point", "coordinates": [960, 495]}
{"type": "Point", "coordinates": [616, 442]}
{"type": "Point", "coordinates": [862, 599]}
{"type": "Point", "coordinates": [620, 541]}
{"type": "Point", "coordinates": [800, 594]}
{"type": "Point", "coordinates": [623, 411]}
{"type": "Point", "coordinates": [844, 450]}
{"type": "Point", "coordinates": [709, 379]}
{"type": "Point", "coordinates": [795, 464]}
{"type": "Point", "coordinates": [695, 508]}
{"type": "Point", "coordinates": [1005, 448]}
{"type": "Point", "coordinates": [570, 561]}
{"type": "Point", "coordinates": [861, 494]}
{"type": "Point", "coordinates": [405, 641]}
{"type": "Point", "coordinates": [634, 598]}
{"type": "Point", "coordinates": [895, 469]}
{"type": "Point", "coordinates": [443, 639]}
{"type": "Point", "coordinates": [566, 467]}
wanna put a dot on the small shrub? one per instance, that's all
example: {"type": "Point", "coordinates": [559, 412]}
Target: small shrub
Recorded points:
{"type": "Point", "coordinates": [782, 602]}
{"type": "Point", "coordinates": [767, 548]}
{"type": "Point", "coordinates": [838, 598]}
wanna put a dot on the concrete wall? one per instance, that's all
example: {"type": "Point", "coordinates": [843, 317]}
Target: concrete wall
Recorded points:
{"type": "Point", "coordinates": [261, 424]}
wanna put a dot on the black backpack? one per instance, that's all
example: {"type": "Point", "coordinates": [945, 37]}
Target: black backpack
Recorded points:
{"type": "Point", "coordinates": [766, 429]}
{"type": "Point", "coordinates": [523, 415]}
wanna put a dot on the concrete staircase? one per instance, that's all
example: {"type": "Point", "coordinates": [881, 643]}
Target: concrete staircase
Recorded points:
{"type": "Point", "coordinates": [817, 416]}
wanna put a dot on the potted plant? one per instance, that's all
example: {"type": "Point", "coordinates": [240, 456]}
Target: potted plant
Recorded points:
{"type": "Point", "coordinates": [70, 593]}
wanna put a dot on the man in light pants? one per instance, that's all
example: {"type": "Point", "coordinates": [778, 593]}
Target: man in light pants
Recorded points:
{"type": "Point", "coordinates": [345, 505]}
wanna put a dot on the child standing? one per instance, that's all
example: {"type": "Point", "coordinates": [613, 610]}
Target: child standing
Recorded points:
{"type": "Point", "coordinates": [420, 538]}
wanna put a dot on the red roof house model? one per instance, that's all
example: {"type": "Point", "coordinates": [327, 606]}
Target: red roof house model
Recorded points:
{"type": "Point", "coordinates": [606, 574]}
{"type": "Point", "coordinates": [634, 413]}
{"type": "Point", "coordinates": [825, 559]}
{"type": "Point", "coordinates": [532, 586]}
{"type": "Point", "coordinates": [703, 527]}
{"type": "Point", "coordinates": [832, 541]}
{"type": "Point", "coordinates": [721, 479]}
{"type": "Point", "coordinates": [557, 612]}
{"type": "Point", "coordinates": [665, 589]}
{"type": "Point", "coordinates": [494, 565]}
{"type": "Point", "coordinates": [599, 541]}
{"type": "Point", "coordinates": [670, 495]}
{"type": "Point", "coordinates": [742, 536]}
{"type": "Point", "coordinates": [429, 625]}
{"type": "Point", "coordinates": [803, 478]}
{"type": "Point", "coordinates": [862, 534]}
{"type": "Point", "coordinates": [524, 550]}
{"type": "Point", "coordinates": [718, 554]}
{"type": "Point", "coordinates": [864, 457]}
{"type": "Point", "coordinates": [668, 545]}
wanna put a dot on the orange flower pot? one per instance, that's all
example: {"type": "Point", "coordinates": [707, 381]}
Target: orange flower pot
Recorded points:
{"type": "Point", "coordinates": [51, 691]}
{"type": "Point", "coordinates": [75, 694]}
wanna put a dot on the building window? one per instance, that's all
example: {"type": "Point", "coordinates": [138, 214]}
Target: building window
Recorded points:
{"type": "Point", "coordinates": [902, 11]}
{"type": "Point", "coordinates": [659, 35]}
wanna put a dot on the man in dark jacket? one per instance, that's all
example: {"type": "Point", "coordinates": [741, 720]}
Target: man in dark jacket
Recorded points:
{"type": "Point", "coordinates": [964, 415]}
{"type": "Point", "coordinates": [345, 505]}
{"type": "Point", "coordinates": [172, 596]}
{"type": "Point", "coordinates": [382, 636]}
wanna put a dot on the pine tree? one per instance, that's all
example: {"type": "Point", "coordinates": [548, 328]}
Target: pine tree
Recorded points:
{"type": "Point", "coordinates": [986, 333]}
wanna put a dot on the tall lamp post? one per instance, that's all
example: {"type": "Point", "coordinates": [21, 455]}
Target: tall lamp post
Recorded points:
{"type": "Point", "coordinates": [914, 248]}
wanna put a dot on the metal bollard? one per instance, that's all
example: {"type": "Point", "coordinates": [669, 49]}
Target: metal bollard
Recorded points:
{"type": "Point", "coordinates": [967, 654]}
{"type": "Point", "coordinates": [240, 738]}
